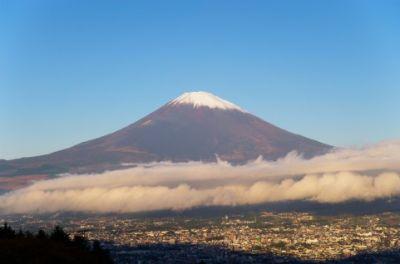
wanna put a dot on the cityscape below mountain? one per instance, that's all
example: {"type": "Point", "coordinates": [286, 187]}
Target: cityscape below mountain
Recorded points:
{"type": "Point", "coordinates": [196, 132]}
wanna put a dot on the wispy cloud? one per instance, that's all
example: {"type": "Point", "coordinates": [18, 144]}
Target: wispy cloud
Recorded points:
{"type": "Point", "coordinates": [364, 174]}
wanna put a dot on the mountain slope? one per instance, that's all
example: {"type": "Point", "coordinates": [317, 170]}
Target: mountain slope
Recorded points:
{"type": "Point", "coordinates": [195, 126]}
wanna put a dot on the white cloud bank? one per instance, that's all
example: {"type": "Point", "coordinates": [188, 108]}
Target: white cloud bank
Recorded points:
{"type": "Point", "coordinates": [347, 174]}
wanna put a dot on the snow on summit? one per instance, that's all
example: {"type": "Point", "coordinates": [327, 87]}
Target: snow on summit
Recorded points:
{"type": "Point", "coordinates": [204, 99]}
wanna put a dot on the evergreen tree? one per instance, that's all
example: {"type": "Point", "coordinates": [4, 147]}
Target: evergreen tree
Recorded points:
{"type": "Point", "coordinates": [6, 232]}
{"type": "Point", "coordinates": [58, 234]}
{"type": "Point", "coordinates": [41, 234]}
{"type": "Point", "coordinates": [24, 247]}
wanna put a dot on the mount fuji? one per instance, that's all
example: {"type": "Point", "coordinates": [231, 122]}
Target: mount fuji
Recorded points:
{"type": "Point", "coordinates": [196, 126]}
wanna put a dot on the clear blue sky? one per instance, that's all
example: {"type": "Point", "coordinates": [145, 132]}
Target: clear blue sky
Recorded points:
{"type": "Point", "coordinates": [75, 70]}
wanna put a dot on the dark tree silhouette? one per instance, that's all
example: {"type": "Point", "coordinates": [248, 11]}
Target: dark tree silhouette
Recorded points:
{"type": "Point", "coordinates": [42, 235]}
{"type": "Point", "coordinates": [58, 234]}
{"type": "Point", "coordinates": [25, 247]}
{"type": "Point", "coordinates": [82, 243]}
{"type": "Point", "coordinates": [6, 232]}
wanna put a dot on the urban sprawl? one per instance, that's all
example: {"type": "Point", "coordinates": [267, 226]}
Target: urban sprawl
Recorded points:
{"type": "Point", "coordinates": [248, 237]}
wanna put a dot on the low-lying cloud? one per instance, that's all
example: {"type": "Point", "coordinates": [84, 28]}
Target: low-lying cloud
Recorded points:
{"type": "Point", "coordinates": [345, 174]}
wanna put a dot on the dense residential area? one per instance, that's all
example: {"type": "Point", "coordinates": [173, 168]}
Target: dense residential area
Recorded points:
{"type": "Point", "coordinates": [252, 237]}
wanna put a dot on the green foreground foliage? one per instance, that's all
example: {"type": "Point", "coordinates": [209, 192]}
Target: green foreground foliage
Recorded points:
{"type": "Point", "coordinates": [55, 247]}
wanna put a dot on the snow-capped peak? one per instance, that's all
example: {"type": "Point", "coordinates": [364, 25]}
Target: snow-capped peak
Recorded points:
{"type": "Point", "coordinates": [204, 99]}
